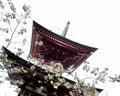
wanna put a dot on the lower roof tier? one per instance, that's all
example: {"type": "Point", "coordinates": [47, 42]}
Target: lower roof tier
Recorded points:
{"type": "Point", "coordinates": [30, 77]}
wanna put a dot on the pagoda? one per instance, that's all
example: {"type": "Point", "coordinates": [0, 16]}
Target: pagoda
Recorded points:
{"type": "Point", "coordinates": [57, 48]}
{"type": "Point", "coordinates": [55, 55]}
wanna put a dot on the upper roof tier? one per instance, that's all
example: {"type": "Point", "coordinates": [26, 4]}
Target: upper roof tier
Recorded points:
{"type": "Point", "coordinates": [52, 47]}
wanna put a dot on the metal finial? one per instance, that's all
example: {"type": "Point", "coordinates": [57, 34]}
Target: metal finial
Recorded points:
{"type": "Point", "coordinates": [65, 29]}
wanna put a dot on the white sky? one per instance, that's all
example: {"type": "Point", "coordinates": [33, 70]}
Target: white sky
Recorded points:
{"type": "Point", "coordinates": [93, 22]}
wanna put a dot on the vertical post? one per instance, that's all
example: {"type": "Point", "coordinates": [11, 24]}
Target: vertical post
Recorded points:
{"type": "Point", "coordinates": [65, 29]}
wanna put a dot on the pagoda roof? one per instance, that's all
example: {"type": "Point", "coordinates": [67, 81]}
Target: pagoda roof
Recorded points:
{"type": "Point", "coordinates": [30, 79]}
{"type": "Point", "coordinates": [28, 76]}
{"type": "Point", "coordinates": [55, 47]}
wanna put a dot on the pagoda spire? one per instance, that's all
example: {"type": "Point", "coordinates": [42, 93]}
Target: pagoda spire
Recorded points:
{"type": "Point", "coordinates": [65, 29]}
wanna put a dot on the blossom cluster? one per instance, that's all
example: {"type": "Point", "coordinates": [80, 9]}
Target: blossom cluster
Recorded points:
{"type": "Point", "coordinates": [54, 72]}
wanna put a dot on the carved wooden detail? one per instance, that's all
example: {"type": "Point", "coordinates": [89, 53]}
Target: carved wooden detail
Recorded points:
{"type": "Point", "coordinates": [54, 47]}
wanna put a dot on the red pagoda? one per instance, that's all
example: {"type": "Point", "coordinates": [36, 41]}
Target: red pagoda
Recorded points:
{"type": "Point", "coordinates": [57, 48]}
{"type": "Point", "coordinates": [33, 80]}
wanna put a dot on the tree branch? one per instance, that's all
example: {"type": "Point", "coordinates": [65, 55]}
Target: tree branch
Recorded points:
{"type": "Point", "coordinates": [14, 31]}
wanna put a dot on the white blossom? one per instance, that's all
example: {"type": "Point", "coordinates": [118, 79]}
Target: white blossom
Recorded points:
{"type": "Point", "coordinates": [32, 67]}
{"type": "Point", "coordinates": [38, 90]}
{"type": "Point", "coordinates": [50, 76]}
{"type": "Point", "coordinates": [22, 69]}
{"type": "Point", "coordinates": [62, 80]}
{"type": "Point", "coordinates": [40, 43]}
{"type": "Point", "coordinates": [34, 74]}
{"type": "Point", "coordinates": [58, 74]}
{"type": "Point", "coordinates": [67, 85]}
{"type": "Point", "coordinates": [70, 69]}
{"type": "Point", "coordinates": [56, 84]}
{"type": "Point", "coordinates": [71, 93]}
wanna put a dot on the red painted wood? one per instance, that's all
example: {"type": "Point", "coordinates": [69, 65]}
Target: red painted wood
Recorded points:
{"type": "Point", "coordinates": [58, 48]}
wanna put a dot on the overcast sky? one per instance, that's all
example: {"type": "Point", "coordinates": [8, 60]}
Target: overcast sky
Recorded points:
{"type": "Point", "coordinates": [94, 23]}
